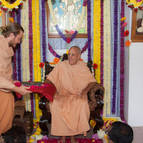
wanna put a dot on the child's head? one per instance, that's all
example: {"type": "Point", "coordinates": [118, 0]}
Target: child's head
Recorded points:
{"type": "Point", "coordinates": [120, 133]}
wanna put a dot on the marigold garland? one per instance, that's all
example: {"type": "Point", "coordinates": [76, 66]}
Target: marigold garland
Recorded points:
{"type": "Point", "coordinates": [7, 6]}
{"type": "Point", "coordinates": [135, 4]}
{"type": "Point", "coordinates": [96, 36]}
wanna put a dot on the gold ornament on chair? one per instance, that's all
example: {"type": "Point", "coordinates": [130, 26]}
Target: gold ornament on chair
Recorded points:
{"type": "Point", "coordinates": [7, 6]}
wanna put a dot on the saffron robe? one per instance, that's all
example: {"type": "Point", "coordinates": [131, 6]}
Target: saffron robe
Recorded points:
{"type": "Point", "coordinates": [6, 83]}
{"type": "Point", "coordinates": [70, 110]}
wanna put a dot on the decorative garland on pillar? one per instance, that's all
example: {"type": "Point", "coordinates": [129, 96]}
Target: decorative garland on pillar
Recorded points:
{"type": "Point", "coordinates": [6, 6]}
{"type": "Point", "coordinates": [135, 4]}
{"type": "Point", "coordinates": [122, 62]}
{"type": "Point", "coordinates": [89, 28]}
{"type": "Point", "coordinates": [114, 102]}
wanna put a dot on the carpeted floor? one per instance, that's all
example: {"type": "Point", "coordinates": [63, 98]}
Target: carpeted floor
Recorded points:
{"type": "Point", "coordinates": [138, 134]}
{"type": "Point", "coordinates": [68, 141]}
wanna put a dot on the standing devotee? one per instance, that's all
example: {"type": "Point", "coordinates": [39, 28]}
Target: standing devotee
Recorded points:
{"type": "Point", "coordinates": [70, 110]}
{"type": "Point", "coordinates": [11, 35]}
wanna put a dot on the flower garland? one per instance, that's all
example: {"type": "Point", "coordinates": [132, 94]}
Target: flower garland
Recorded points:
{"type": "Point", "coordinates": [43, 30]}
{"type": "Point", "coordinates": [36, 53]}
{"type": "Point", "coordinates": [17, 18]}
{"type": "Point", "coordinates": [135, 4]}
{"type": "Point", "coordinates": [66, 39]}
{"type": "Point", "coordinates": [102, 42]}
{"type": "Point", "coordinates": [96, 36]}
{"type": "Point", "coordinates": [123, 25]}
{"type": "Point", "coordinates": [30, 40]}
{"type": "Point", "coordinates": [53, 52]}
{"type": "Point", "coordinates": [58, 56]}
{"type": "Point", "coordinates": [115, 55]}
{"type": "Point", "coordinates": [7, 6]}
{"type": "Point", "coordinates": [89, 28]}
{"type": "Point", "coordinates": [14, 67]}
{"type": "Point", "coordinates": [107, 56]}
{"type": "Point", "coordinates": [25, 53]}
{"type": "Point", "coordinates": [25, 44]}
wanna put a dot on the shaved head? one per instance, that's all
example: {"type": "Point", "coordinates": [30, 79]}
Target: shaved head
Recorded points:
{"type": "Point", "coordinates": [76, 48]}
{"type": "Point", "coordinates": [74, 55]}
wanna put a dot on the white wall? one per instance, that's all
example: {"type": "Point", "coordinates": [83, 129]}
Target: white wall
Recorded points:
{"type": "Point", "coordinates": [133, 80]}
{"type": "Point", "coordinates": [135, 110]}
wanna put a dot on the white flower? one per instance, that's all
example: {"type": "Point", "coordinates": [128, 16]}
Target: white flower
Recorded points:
{"type": "Point", "coordinates": [100, 134]}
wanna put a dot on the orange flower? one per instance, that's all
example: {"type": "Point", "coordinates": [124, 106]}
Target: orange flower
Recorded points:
{"type": "Point", "coordinates": [41, 65]}
{"type": "Point", "coordinates": [56, 60]}
{"type": "Point", "coordinates": [11, 19]}
{"type": "Point", "coordinates": [123, 18]}
{"type": "Point", "coordinates": [127, 43]}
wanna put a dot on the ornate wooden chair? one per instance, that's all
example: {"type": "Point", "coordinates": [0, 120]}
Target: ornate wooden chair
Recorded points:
{"type": "Point", "coordinates": [95, 99]}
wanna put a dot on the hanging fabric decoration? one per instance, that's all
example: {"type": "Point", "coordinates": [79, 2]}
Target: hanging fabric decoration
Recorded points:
{"type": "Point", "coordinates": [6, 6]}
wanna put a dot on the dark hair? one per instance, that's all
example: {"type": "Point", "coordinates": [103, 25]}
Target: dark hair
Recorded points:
{"type": "Point", "coordinates": [14, 28]}
{"type": "Point", "coordinates": [121, 133]}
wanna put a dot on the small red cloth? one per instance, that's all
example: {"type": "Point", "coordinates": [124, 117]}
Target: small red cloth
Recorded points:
{"type": "Point", "coordinates": [48, 90]}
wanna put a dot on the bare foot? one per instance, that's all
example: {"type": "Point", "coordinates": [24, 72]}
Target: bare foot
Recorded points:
{"type": "Point", "coordinates": [62, 140]}
{"type": "Point", "coordinates": [1, 139]}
